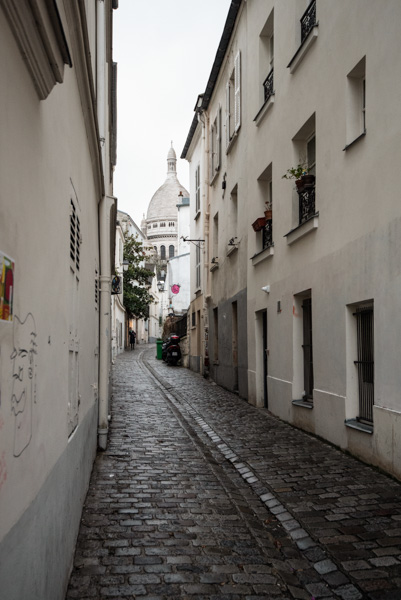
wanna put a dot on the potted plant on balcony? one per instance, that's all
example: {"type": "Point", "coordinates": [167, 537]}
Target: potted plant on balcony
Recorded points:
{"type": "Point", "coordinates": [268, 211]}
{"type": "Point", "coordinates": [259, 223]}
{"type": "Point", "coordinates": [301, 175]}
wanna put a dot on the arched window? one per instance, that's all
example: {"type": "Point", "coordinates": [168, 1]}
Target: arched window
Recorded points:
{"type": "Point", "coordinates": [155, 249]}
{"type": "Point", "coordinates": [171, 251]}
{"type": "Point", "coordinates": [163, 252]}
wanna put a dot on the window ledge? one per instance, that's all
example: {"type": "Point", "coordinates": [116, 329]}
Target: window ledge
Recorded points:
{"type": "Point", "coordinates": [299, 232]}
{"type": "Point", "coordinates": [362, 135]}
{"type": "Point", "coordinates": [302, 404]}
{"type": "Point", "coordinates": [303, 49]}
{"type": "Point", "coordinates": [263, 111]}
{"type": "Point", "coordinates": [231, 250]}
{"type": "Point", "coordinates": [355, 424]}
{"type": "Point", "coordinates": [261, 256]}
{"type": "Point", "coordinates": [198, 214]}
{"type": "Point", "coordinates": [232, 141]}
{"type": "Point", "coordinates": [213, 179]}
{"type": "Point", "coordinates": [214, 267]}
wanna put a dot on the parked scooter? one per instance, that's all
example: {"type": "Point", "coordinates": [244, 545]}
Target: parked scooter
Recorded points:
{"type": "Point", "coordinates": [171, 351]}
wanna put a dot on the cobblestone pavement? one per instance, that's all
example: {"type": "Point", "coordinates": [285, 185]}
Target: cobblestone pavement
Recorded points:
{"type": "Point", "coordinates": [202, 496]}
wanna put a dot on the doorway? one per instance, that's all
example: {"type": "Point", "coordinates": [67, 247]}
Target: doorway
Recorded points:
{"type": "Point", "coordinates": [265, 358]}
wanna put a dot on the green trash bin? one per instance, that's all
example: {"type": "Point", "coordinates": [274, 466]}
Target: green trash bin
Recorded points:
{"type": "Point", "coordinates": [159, 344]}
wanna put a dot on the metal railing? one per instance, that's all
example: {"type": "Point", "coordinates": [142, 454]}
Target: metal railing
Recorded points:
{"type": "Point", "coordinates": [308, 20]}
{"type": "Point", "coordinates": [306, 203]}
{"type": "Point", "coordinates": [267, 234]}
{"type": "Point", "coordinates": [268, 85]}
{"type": "Point", "coordinates": [365, 362]}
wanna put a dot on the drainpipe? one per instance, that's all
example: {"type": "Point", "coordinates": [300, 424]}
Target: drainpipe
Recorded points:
{"type": "Point", "coordinates": [104, 237]}
{"type": "Point", "coordinates": [204, 119]}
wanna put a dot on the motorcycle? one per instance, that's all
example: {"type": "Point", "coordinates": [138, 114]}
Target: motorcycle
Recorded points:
{"type": "Point", "coordinates": [171, 351]}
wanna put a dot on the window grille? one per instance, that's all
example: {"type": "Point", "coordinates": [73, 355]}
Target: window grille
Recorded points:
{"type": "Point", "coordinates": [308, 20]}
{"type": "Point", "coordinates": [365, 361]}
{"type": "Point", "coordinates": [75, 237]}
{"type": "Point", "coordinates": [307, 348]}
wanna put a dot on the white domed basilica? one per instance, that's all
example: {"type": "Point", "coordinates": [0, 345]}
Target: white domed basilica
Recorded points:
{"type": "Point", "coordinates": [160, 226]}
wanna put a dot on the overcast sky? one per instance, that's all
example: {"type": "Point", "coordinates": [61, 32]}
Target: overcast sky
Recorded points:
{"type": "Point", "coordinates": [165, 51]}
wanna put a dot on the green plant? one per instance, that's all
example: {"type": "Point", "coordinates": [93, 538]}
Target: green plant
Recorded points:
{"type": "Point", "coordinates": [136, 297]}
{"type": "Point", "coordinates": [296, 172]}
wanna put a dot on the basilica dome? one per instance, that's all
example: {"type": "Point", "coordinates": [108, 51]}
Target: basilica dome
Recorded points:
{"type": "Point", "coordinates": [163, 204]}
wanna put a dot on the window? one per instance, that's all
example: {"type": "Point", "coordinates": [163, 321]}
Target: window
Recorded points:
{"type": "Point", "coordinates": [216, 334]}
{"type": "Point", "coordinates": [154, 225]}
{"type": "Point", "coordinates": [233, 101]}
{"type": "Point", "coordinates": [365, 361]}
{"type": "Point", "coordinates": [233, 213]}
{"type": "Point", "coordinates": [305, 152]}
{"type": "Point", "coordinates": [303, 381]}
{"type": "Point", "coordinates": [163, 252]}
{"type": "Point", "coordinates": [307, 348]}
{"type": "Point", "coordinates": [215, 152]}
{"type": "Point", "coordinates": [266, 193]}
{"type": "Point", "coordinates": [215, 237]}
{"type": "Point", "coordinates": [307, 33]}
{"type": "Point", "coordinates": [266, 59]}
{"type": "Point", "coordinates": [198, 267]}
{"type": "Point", "coordinates": [171, 251]}
{"type": "Point", "coordinates": [197, 189]}
{"type": "Point", "coordinates": [162, 224]}
{"type": "Point", "coordinates": [171, 224]}
{"type": "Point", "coordinates": [356, 103]}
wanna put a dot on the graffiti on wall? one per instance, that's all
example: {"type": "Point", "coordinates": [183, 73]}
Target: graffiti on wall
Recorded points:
{"type": "Point", "coordinates": [6, 287]}
{"type": "Point", "coordinates": [23, 394]}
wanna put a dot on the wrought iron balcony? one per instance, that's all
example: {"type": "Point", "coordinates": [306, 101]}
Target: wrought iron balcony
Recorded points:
{"type": "Point", "coordinates": [308, 20]}
{"type": "Point", "coordinates": [268, 234]}
{"type": "Point", "coordinates": [306, 203]}
{"type": "Point", "coordinates": [268, 85]}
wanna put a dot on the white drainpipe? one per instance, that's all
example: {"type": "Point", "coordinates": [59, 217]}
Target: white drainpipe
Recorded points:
{"type": "Point", "coordinates": [104, 235]}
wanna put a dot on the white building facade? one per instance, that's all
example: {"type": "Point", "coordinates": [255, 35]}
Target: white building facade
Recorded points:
{"type": "Point", "coordinates": [321, 264]}
{"type": "Point", "coordinates": [57, 224]}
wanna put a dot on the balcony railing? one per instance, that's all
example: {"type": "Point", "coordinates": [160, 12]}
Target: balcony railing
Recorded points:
{"type": "Point", "coordinates": [268, 85]}
{"type": "Point", "coordinates": [268, 234]}
{"type": "Point", "coordinates": [306, 203]}
{"type": "Point", "coordinates": [308, 20]}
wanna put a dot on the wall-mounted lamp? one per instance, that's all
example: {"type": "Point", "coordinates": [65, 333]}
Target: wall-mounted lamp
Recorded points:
{"type": "Point", "coordinates": [125, 265]}
{"type": "Point", "coordinates": [266, 288]}
{"type": "Point", "coordinates": [160, 286]}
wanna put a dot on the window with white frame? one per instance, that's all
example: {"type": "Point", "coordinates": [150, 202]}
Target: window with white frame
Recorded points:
{"type": "Point", "coordinates": [356, 103]}
{"type": "Point", "coordinates": [215, 143]}
{"type": "Point", "coordinates": [233, 100]}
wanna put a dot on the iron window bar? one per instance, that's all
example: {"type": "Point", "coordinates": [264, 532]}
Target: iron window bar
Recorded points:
{"type": "Point", "coordinates": [267, 234]}
{"type": "Point", "coordinates": [365, 362]}
{"type": "Point", "coordinates": [308, 20]}
{"type": "Point", "coordinates": [306, 203]}
{"type": "Point", "coordinates": [268, 86]}
{"type": "Point", "coordinates": [308, 349]}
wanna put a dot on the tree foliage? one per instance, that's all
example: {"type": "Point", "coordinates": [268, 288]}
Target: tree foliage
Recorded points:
{"type": "Point", "coordinates": [136, 298]}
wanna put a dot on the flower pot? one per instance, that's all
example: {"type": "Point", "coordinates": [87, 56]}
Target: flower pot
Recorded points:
{"type": "Point", "coordinates": [259, 223]}
{"type": "Point", "coordinates": [268, 214]}
{"type": "Point", "coordinates": [308, 179]}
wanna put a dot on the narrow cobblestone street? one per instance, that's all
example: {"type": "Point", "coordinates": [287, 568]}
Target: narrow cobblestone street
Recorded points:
{"type": "Point", "coordinates": [201, 496]}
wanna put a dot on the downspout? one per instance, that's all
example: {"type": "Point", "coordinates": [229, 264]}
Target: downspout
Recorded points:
{"type": "Point", "coordinates": [204, 119]}
{"type": "Point", "coordinates": [104, 236]}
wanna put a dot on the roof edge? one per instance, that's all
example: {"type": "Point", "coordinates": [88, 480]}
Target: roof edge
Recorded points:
{"type": "Point", "coordinates": [218, 61]}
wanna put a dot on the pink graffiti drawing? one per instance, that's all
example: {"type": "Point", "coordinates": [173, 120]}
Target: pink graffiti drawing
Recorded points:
{"type": "Point", "coordinates": [24, 376]}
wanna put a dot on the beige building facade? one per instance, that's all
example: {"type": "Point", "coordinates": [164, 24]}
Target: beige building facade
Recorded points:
{"type": "Point", "coordinates": [57, 224]}
{"type": "Point", "coordinates": [318, 261]}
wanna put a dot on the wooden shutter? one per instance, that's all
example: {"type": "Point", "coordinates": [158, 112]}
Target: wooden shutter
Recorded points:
{"type": "Point", "coordinates": [237, 90]}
